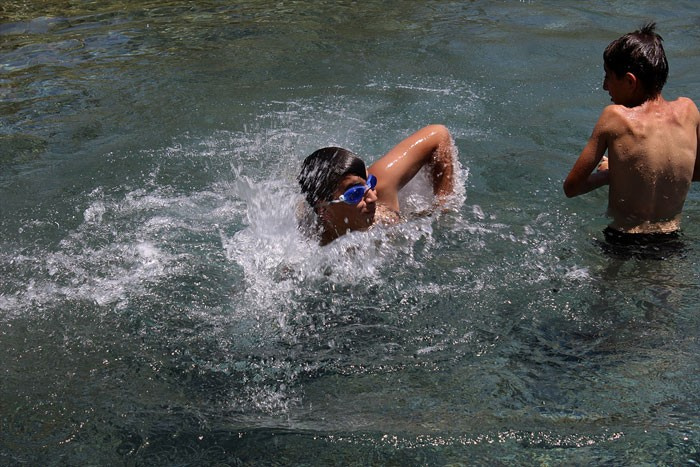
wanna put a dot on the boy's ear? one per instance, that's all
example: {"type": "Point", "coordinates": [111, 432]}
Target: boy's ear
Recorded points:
{"type": "Point", "coordinates": [631, 79]}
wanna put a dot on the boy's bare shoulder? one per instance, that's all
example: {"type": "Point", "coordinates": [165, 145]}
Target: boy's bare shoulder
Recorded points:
{"type": "Point", "coordinates": [612, 118]}
{"type": "Point", "coordinates": [686, 101]}
{"type": "Point", "coordinates": [682, 111]}
{"type": "Point", "coordinates": [615, 117]}
{"type": "Point", "coordinates": [688, 105]}
{"type": "Point", "coordinates": [614, 112]}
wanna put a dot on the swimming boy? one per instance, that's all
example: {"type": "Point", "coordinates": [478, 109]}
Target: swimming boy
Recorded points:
{"type": "Point", "coordinates": [652, 143]}
{"type": "Point", "coordinates": [345, 196]}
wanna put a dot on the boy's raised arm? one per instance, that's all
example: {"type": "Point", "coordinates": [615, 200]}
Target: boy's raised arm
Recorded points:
{"type": "Point", "coordinates": [429, 145]}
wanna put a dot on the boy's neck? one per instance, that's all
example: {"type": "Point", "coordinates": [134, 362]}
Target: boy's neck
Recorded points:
{"type": "Point", "coordinates": [643, 98]}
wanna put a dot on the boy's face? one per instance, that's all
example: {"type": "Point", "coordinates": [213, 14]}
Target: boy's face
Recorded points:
{"type": "Point", "coordinates": [619, 87]}
{"type": "Point", "coordinates": [351, 216]}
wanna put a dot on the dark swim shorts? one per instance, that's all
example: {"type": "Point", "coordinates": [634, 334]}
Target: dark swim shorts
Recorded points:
{"type": "Point", "coordinates": [643, 245]}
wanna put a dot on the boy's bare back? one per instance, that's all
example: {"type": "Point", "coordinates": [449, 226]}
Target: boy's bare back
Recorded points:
{"type": "Point", "coordinates": [652, 155]}
{"type": "Point", "coordinates": [652, 143]}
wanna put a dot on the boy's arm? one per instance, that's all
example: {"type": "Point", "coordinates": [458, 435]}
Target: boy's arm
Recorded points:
{"type": "Point", "coordinates": [696, 172]}
{"type": "Point", "coordinates": [582, 177]}
{"type": "Point", "coordinates": [429, 145]}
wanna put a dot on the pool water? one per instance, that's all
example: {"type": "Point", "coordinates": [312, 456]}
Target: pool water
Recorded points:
{"type": "Point", "coordinates": [159, 306]}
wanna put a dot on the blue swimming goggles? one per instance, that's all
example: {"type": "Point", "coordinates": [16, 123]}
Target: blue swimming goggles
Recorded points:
{"type": "Point", "coordinates": [354, 194]}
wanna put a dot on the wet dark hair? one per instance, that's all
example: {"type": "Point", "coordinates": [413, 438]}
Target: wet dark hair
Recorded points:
{"type": "Point", "coordinates": [322, 171]}
{"type": "Point", "coordinates": [642, 54]}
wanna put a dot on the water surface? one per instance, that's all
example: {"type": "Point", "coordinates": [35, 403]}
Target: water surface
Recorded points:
{"type": "Point", "coordinates": [159, 306]}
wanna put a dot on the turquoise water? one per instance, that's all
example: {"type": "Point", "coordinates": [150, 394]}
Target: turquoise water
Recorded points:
{"type": "Point", "coordinates": [159, 307]}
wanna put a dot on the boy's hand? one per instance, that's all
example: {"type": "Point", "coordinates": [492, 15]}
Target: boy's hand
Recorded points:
{"type": "Point", "coordinates": [603, 164]}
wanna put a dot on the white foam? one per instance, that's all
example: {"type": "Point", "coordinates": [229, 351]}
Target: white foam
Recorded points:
{"type": "Point", "coordinates": [277, 258]}
{"type": "Point", "coordinates": [578, 273]}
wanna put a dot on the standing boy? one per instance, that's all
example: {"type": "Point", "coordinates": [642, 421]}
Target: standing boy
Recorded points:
{"type": "Point", "coordinates": [652, 144]}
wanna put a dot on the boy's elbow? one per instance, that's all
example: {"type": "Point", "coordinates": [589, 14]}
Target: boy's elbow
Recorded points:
{"type": "Point", "coordinates": [569, 189]}
{"type": "Point", "coordinates": [439, 129]}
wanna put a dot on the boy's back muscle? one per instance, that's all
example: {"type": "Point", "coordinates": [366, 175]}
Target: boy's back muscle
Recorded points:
{"type": "Point", "coordinates": [652, 150]}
